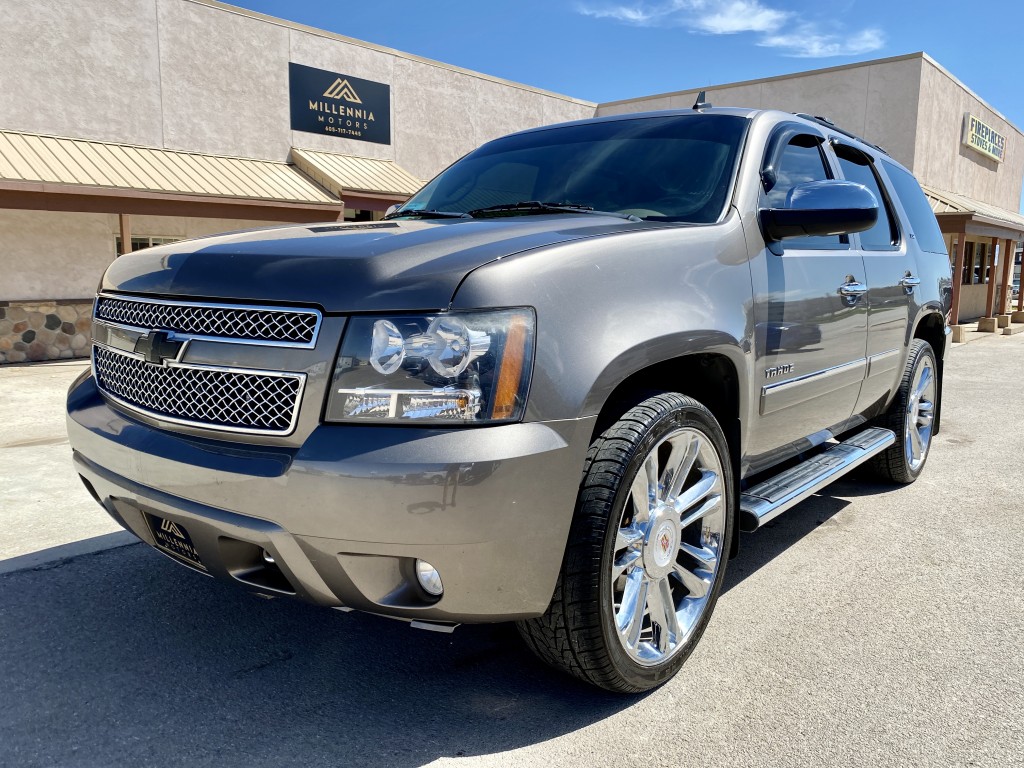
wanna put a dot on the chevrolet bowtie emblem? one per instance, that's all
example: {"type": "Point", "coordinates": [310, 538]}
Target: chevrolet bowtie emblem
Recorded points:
{"type": "Point", "coordinates": [157, 347]}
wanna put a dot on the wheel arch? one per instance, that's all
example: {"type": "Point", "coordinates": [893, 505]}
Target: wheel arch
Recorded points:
{"type": "Point", "coordinates": [712, 377]}
{"type": "Point", "coordinates": [931, 327]}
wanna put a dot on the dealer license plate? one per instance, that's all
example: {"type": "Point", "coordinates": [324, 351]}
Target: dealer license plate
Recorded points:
{"type": "Point", "coordinates": [172, 538]}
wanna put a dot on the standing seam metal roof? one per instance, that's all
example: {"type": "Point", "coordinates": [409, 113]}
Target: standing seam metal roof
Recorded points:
{"type": "Point", "coordinates": [348, 173]}
{"type": "Point", "coordinates": [950, 202]}
{"type": "Point", "coordinates": [35, 158]}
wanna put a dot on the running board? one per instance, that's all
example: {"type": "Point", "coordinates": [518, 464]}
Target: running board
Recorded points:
{"type": "Point", "coordinates": [769, 499]}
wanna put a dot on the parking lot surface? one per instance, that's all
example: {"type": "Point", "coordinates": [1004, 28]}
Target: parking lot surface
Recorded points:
{"type": "Point", "coordinates": [869, 626]}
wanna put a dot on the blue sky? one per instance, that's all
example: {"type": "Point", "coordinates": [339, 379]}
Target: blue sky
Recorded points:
{"type": "Point", "coordinates": [603, 50]}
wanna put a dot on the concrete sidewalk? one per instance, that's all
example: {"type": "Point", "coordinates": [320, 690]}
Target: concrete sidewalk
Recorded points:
{"type": "Point", "coordinates": [969, 331]}
{"type": "Point", "coordinates": [45, 513]}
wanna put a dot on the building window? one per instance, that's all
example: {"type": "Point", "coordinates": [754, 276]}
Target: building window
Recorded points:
{"type": "Point", "coordinates": [965, 277]}
{"type": "Point", "coordinates": [138, 243]}
{"type": "Point", "coordinates": [354, 214]}
{"type": "Point", "coordinates": [977, 263]}
{"type": "Point", "coordinates": [981, 267]}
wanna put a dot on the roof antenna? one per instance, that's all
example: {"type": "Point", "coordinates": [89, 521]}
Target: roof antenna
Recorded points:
{"type": "Point", "coordinates": [701, 102]}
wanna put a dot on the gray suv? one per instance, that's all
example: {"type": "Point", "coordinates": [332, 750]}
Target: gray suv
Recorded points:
{"type": "Point", "coordinates": [551, 388]}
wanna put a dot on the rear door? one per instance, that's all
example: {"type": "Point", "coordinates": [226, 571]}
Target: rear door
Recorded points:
{"type": "Point", "coordinates": [892, 283]}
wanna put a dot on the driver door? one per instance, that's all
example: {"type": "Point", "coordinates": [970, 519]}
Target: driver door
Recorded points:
{"type": "Point", "coordinates": [810, 309]}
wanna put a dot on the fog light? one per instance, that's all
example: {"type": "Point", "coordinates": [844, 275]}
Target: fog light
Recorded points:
{"type": "Point", "coordinates": [268, 558]}
{"type": "Point", "coordinates": [429, 578]}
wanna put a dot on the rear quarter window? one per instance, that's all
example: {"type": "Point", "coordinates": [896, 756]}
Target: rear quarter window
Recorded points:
{"type": "Point", "coordinates": [919, 212]}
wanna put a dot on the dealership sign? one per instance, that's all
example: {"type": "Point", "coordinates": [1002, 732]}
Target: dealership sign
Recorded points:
{"type": "Point", "coordinates": [981, 137]}
{"type": "Point", "coordinates": [339, 105]}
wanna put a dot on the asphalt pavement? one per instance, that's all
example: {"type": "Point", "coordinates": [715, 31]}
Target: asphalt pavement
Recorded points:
{"type": "Point", "coordinates": [870, 626]}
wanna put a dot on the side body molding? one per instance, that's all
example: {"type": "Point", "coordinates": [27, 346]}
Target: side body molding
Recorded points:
{"type": "Point", "coordinates": [802, 389]}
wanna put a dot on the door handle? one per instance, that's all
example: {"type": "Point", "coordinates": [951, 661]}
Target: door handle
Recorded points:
{"type": "Point", "coordinates": [909, 282]}
{"type": "Point", "coordinates": [852, 288]}
{"type": "Point", "coordinates": [851, 291]}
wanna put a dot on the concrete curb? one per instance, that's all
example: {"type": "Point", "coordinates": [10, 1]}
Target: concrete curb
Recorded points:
{"type": "Point", "coordinates": [67, 552]}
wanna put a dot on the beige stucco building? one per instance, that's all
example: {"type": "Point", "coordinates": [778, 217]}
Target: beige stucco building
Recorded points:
{"type": "Point", "coordinates": [141, 121]}
{"type": "Point", "coordinates": [164, 119]}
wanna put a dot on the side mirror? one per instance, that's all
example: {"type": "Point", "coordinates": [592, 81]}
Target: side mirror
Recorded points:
{"type": "Point", "coordinates": [391, 209]}
{"type": "Point", "coordinates": [827, 207]}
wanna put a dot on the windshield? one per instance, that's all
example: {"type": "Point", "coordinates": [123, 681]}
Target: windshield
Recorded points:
{"type": "Point", "coordinates": [675, 168]}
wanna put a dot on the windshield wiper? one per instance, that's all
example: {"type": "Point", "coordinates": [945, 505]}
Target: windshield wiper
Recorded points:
{"type": "Point", "coordinates": [426, 213]}
{"type": "Point", "coordinates": [538, 207]}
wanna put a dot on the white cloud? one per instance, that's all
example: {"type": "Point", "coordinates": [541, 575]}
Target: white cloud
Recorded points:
{"type": "Point", "coordinates": [809, 43]}
{"type": "Point", "coordinates": [730, 17]}
{"type": "Point", "coordinates": [739, 16]}
{"type": "Point", "coordinates": [642, 14]}
{"type": "Point", "coordinates": [630, 14]}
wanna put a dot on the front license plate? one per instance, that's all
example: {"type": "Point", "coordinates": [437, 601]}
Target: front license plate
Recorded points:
{"type": "Point", "coordinates": [172, 538]}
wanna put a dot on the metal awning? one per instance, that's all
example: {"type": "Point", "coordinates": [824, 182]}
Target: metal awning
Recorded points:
{"type": "Point", "coordinates": [963, 216]}
{"type": "Point", "coordinates": [962, 209]}
{"type": "Point", "coordinates": [347, 175]}
{"type": "Point", "coordinates": [55, 173]}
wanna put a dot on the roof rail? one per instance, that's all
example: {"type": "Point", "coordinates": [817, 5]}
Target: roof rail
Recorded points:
{"type": "Point", "coordinates": [824, 121]}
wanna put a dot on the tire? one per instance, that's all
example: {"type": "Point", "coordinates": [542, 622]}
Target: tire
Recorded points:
{"type": "Point", "coordinates": [626, 559]}
{"type": "Point", "coordinates": [911, 417]}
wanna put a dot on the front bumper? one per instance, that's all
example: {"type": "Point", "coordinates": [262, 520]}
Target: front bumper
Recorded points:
{"type": "Point", "coordinates": [345, 515]}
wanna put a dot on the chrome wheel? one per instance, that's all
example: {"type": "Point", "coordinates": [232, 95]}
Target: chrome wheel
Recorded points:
{"type": "Point", "coordinates": [668, 546]}
{"type": "Point", "coordinates": [647, 551]}
{"type": "Point", "coordinates": [917, 433]}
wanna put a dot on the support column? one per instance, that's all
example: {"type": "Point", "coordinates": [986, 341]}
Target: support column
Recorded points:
{"type": "Point", "coordinates": [1020, 298]}
{"type": "Point", "coordinates": [1005, 304]}
{"type": "Point", "coordinates": [958, 276]}
{"type": "Point", "coordinates": [126, 233]}
{"type": "Point", "coordinates": [990, 269]}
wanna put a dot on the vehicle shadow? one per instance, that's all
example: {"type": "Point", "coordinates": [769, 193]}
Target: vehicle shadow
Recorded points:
{"type": "Point", "coordinates": [123, 658]}
{"type": "Point", "coordinates": [759, 548]}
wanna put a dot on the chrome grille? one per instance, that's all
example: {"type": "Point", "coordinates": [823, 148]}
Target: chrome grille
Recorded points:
{"type": "Point", "coordinates": [203, 396]}
{"type": "Point", "coordinates": [268, 325]}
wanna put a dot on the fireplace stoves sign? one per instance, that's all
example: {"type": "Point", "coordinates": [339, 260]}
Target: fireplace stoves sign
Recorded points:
{"type": "Point", "coordinates": [339, 105]}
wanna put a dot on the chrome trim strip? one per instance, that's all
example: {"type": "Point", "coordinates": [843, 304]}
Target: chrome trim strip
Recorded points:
{"type": "Point", "coordinates": [209, 305]}
{"type": "Point", "coordinates": [883, 362]}
{"type": "Point", "coordinates": [300, 377]}
{"type": "Point", "coordinates": [785, 394]}
{"type": "Point", "coordinates": [781, 386]}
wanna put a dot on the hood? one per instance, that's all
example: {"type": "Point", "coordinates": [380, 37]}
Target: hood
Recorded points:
{"type": "Point", "coordinates": [379, 266]}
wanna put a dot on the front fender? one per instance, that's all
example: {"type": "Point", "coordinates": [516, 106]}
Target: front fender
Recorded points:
{"type": "Point", "coordinates": [610, 306]}
{"type": "Point", "coordinates": [664, 350]}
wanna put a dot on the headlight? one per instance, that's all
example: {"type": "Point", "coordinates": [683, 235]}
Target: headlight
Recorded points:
{"type": "Point", "coordinates": [456, 367]}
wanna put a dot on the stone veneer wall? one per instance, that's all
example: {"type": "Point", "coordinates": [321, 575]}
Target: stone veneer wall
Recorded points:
{"type": "Point", "coordinates": [44, 330]}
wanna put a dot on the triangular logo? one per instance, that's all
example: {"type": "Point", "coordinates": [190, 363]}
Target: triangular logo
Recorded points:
{"type": "Point", "coordinates": [342, 89]}
{"type": "Point", "coordinates": [168, 527]}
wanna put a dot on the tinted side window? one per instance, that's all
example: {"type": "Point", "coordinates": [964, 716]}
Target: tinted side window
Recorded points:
{"type": "Point", "coordinates": [922, 220]}
{"type": "Point", "coordinates": [801, 162]}
{"type": "Point", "coordinates": [857, 167]}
